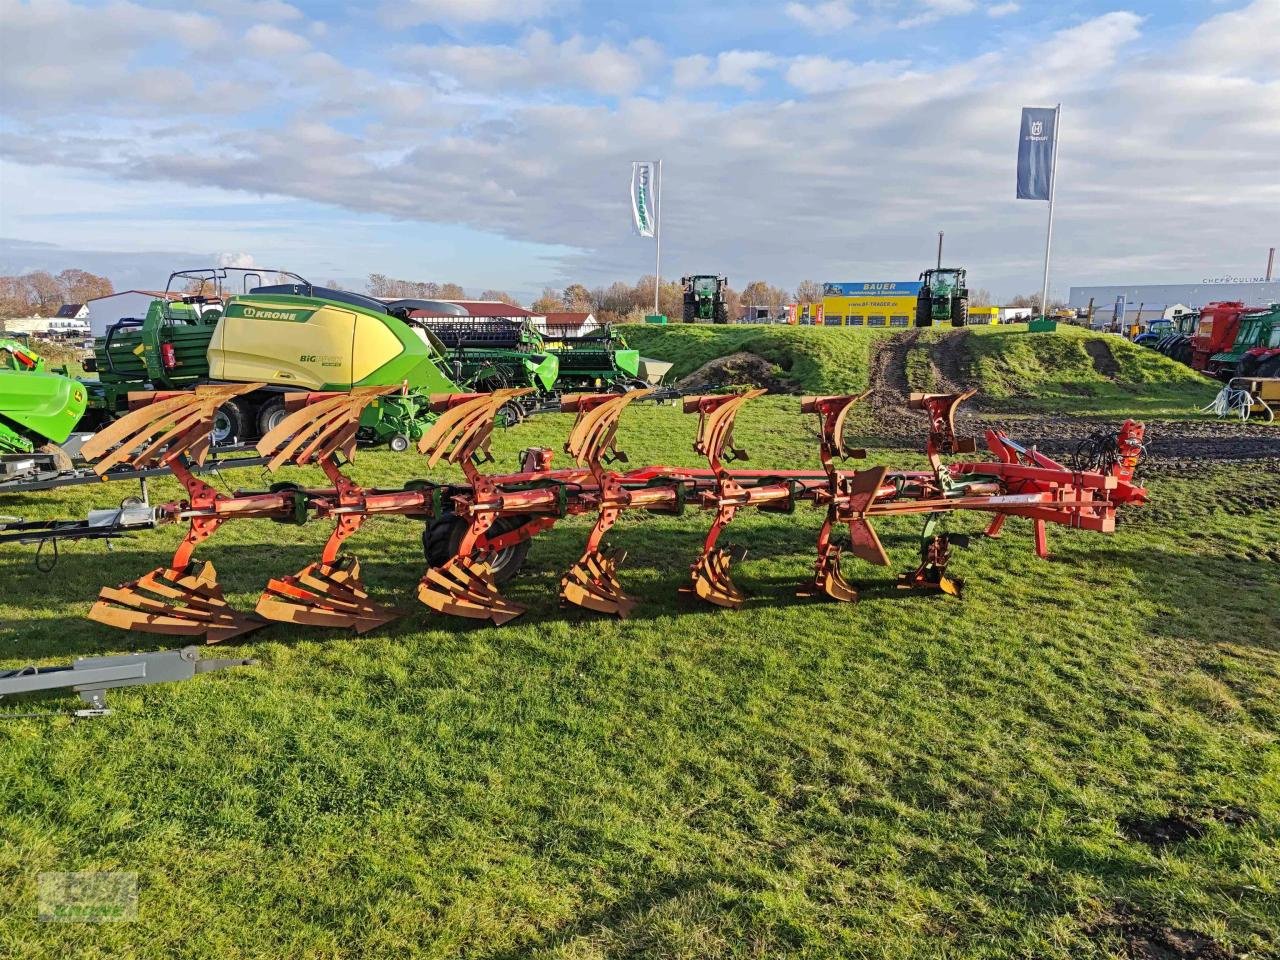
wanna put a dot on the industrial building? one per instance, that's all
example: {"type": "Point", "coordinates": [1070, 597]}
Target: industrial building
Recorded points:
{"type": "Point", "coordinates": [886, 303]}
{"type": "Point", "coordinates": [1153, 299]}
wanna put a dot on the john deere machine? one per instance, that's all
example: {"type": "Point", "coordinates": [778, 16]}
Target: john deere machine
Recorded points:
{"type": "Point", "coordinates": [495, 353]}
{"type": "Point", "coordinates": [943, 297]}
{"type": "Point", "coordinates": [289, 335]}
{"type": "Point", "coordinates": [38, 407]}
{"type": "Point", "coordinates": [704, 299]}
{"type": "Point", "coordinates": [599, 360]}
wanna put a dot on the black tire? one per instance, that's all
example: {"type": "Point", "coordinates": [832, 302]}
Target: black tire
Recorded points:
{"type": "Point", "coordinates": [923, 317]}
{"type": "Point", "coordinates": [510, 414]}
{"type": "Point", "coordinates": [270, 414]}
{"type": "Point", "coordinates": [1248, 366]}
{"type": "Point", "coordinates": [959, 312]}
{"type": "Point", "coordinates": [230, 421]}
{"type": "Point", "coordinates": [1269, 367]}
{"type": "Point", "coordinates": [442, 535]}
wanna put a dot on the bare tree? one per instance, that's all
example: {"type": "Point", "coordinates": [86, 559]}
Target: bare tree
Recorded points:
{"type": "Point", "coordinates": [549, 302]}
{"type": "Point", "coordinates": [452, 291]}
{"type": "Point", "coordinates": [80, 286]}
{"type": "Point", "coordinates": [577, 298]}
{"type": "Point", "coordinates": [981, 298]}
{"type": "Point", "coordinates": [809, 291]}
{"type": "Point", "coordinates": [501, 296]}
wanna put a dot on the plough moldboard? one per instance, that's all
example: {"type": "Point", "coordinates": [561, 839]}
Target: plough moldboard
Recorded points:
{"type": "Point", "coordinates": [491, 514]}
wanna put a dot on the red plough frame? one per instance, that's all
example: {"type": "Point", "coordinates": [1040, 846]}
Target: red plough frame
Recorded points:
{"type": "Point", "coordinates": [185, 597]}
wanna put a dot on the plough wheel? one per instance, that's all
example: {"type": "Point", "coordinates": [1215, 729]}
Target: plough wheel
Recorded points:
{"type": "Point", "coordinates": [175, 603]}
{"type": "Point", "coordinates": [592, 583]}
{"type": "Point", "coordinates": [443, 535]}
{"type": "Point", "coordinates": [324, 595]}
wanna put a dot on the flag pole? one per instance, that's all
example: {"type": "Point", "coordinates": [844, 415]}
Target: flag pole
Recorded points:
{"type": "Point", "coordinates": [657, 242]}
{"type": "Point", "coordinates": [1048, 237]}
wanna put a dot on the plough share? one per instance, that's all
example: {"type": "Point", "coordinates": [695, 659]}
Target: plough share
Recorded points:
{"type": "Point", "coordinates": [489, 517]}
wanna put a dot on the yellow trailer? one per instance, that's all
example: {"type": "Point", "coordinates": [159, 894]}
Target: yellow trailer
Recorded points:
{"type": "Point", "coordinates": [984, 315]}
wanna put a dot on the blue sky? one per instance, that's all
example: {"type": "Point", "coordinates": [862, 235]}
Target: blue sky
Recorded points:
{"type": "Point", "coordinates": [487, 142]}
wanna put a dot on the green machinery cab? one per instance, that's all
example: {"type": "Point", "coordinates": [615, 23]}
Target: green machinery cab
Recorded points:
{"type": "Point", "coordinates": [1256, 330]}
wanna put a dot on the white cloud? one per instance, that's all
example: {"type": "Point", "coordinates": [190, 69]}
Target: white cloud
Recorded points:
{"type": "Point", "coordinates": [816, 74]}
{"type": "Point", "coordinates": [822, 17]}
{"type": "Point", "coordinates": [932, 11]}
{"type": "Point", "coordinates": [538, 61]}
{"type": "Point", "coordinates": [243, 260]}
{"type": "Point", "coordinates": [271, 41]}
{"type": "Point", "coordinates": [1003, 9]}
{"type": "Point", "coordinates": [413, 12]}
{"type": "Point", "coordinates": [849, 177]}
{"type": "Point", "coordinates": [55, 52]}
{"type": "Point", "coordinates": [732, 68]}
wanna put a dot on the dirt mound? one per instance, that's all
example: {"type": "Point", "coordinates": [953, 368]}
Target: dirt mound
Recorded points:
{"type": "Point", "coordinates": [741, 369]}
{"type": "Point", "coordinates": [1104, 364]}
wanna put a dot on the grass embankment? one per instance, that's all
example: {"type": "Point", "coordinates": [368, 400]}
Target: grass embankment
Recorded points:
{"type": "Point", "coordinates": [1071, 370]}
{"type": "Point", "coordinates": [904, 777]}
{"type": "Point", "coordinates": [817, 359]}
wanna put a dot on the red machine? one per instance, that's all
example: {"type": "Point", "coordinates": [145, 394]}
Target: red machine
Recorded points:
{"type": "Point", "coordinates": [495, 513]}
{"type": "Point", "coordinates": [1216, 331]}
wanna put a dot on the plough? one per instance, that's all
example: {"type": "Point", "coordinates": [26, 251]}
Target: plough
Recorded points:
{"type": "Point", "coordinates": [487, 520]}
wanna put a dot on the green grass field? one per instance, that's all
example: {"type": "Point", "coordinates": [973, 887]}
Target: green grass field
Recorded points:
{"type": "Point", "coordinates": [906, 777]}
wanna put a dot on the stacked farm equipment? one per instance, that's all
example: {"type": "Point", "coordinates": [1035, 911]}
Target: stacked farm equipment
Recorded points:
{"type": "Point", "coordinates": [600, 360]}
{"type": "Point", "coordinates": [283, 337]}
{"type": "Point", "coordinates": [477, 530]}
{"type": "Point", "coordinates": [495, 353]}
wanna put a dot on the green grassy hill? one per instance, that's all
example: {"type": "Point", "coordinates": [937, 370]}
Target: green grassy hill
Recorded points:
{"type": "Point", "coordinates": [1070, 370]}
{"type": "Point", "coordinates": [1078, 371]}
{"type": "Point", "coordinates": [819, 360]}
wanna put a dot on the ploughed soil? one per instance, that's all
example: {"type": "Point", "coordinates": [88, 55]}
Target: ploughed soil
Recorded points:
{"type": "Point", "coordinates": [741, 369]}
{"type": "Point", "coordinates": [1142, 939]}
{"type": "Point", "coordinates": [1172, 442]}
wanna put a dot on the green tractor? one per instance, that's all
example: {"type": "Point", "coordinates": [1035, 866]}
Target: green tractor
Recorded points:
{"type": "Point", "coordinates": [289, 335]}
{"type": "Point", "coordinates": [704, 299]}
{"type": "Point", "coordinates": [943, 297]}
{"type": "Point", "coordinates": [39, 408]}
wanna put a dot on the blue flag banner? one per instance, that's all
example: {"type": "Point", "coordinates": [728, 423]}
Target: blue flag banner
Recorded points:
{"type": "Point", "coordinates": [1035, 152]}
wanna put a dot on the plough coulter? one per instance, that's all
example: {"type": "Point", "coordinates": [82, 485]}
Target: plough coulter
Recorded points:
{"type": "Point", "coordinates": [478, 529]}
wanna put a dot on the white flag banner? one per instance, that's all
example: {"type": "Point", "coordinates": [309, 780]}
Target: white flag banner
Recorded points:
{"type": "Point", "coordinates": [643, 195]}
